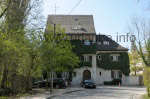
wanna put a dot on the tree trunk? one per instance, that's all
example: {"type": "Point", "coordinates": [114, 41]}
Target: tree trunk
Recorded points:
{"type": "Point", "coordinates": [51, 81]}
{"type": "Point", "coordinates": [148, 91]}
{"type": "Point", "coordinates": [47, 81]}
{"type": "Point", "coordinates": [135, 70]}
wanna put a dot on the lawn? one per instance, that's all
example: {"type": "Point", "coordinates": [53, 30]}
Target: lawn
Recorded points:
{"type": "Point", "coordinates": [145, 96]}
{"type": "Point", "coordinates": [3, 97]}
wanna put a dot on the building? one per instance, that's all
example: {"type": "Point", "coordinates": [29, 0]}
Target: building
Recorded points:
{"type": "Point", "coordinates": [102, 59]}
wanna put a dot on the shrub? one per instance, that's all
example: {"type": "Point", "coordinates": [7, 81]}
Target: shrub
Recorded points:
{"type": "Point", "coordinates": [113, 82]}
{"type": "Point", "coordinates": [146, 76]}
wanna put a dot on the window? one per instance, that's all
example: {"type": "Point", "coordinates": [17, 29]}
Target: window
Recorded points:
{"type": "Point", "coordinates": [90, 58]}
{"type": "Point", "coordinates": [100, 73]}
{"type": "Point", "coordinates": [99, 43]}
{"type": "Point", "coordinates": [87, 42]}
{"type": "Point", "coordinates": [87, 58]}
{"type": "Point", "coordinates": [106, 42]}
{"type": "Point", "coordinates": [99, 57]}
{"type": "Point", "coordinates": [116, 74]}
{"type": "Point", "coordinates": [77, 27]}
{"type": "Point", "coordinates": [115, 57]}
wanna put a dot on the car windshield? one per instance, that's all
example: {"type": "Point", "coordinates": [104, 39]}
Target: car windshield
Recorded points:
{"type": "Point", "coordinates": [89, 81]}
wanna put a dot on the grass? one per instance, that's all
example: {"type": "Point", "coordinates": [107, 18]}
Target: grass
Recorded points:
{"type": "Point", "coordinates": [145, 96]}
{"type": "Point", "coordinates": [3, 97]}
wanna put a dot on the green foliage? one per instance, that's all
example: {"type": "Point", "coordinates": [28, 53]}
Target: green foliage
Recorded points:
{"type": "Point", "coordinates": [134, 62]}
{"type": "Point", "coordinates": [107, 64]}
{"type": "Point", "coordinates": [82, 63]}
{"type": "Point", "coordinates": [57, 52]}
{"type": "Point", "coordinates": [80, 48]}
{"type": "Point", "coordinates": [113, 82]}
{"type": "Point", "coordinates": [146, 79]}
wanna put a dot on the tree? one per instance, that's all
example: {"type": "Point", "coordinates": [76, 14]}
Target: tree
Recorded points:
{"type": "Point", "coordinates": [57, 52]}
{"type": "Point", "coordinates": [19, 52]}
{"type": "Point", "coordinates": [135, 61]}
{"type": "Point", "coordinates": [140, 29]}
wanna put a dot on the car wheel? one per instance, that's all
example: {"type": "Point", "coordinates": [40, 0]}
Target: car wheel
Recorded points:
{"type": "Point", "coordinates": [57, 86]}
{"type": "Point", "coordinates": [94, 87]}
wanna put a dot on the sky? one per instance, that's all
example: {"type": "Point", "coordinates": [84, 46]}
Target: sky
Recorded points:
{"type": "Point", "coordinates": [111, 17]}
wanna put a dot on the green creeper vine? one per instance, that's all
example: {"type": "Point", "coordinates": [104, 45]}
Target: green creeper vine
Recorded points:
{"type": "Point", "coordinates": [107, 64]}
{"type": "Point", "coordinates": [80, 49]}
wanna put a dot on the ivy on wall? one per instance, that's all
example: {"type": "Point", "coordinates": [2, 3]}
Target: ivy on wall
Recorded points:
{"type": "Point", "coordinates": [107, 64]}
{"type": "Point", "coordinates": [80, 48]}
{"type": "Point", "coordinates": [82, 64]}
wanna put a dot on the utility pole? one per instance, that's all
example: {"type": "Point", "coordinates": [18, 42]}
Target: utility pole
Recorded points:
{"type": "Point", "coordinates": [53, 61]}
{"type": "Point", "coordinates": [56, 8]}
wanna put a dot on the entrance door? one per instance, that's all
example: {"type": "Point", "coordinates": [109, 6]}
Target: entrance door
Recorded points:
{"type": "Point", "coordinates": [86, 74]}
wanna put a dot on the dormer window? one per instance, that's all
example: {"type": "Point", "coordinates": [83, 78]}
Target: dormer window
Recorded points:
{"type": "Point", "coordinates": [77, 27]}
{"type": "Point", "coordinates": [87, 42]}
{"type": "Point", "coordinates": [99, 43]}
{"type": "Point", "coordinates": [106, 42]}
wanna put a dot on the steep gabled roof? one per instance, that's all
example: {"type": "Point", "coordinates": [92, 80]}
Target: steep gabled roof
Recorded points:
{"type": "Point", "coordinates": [113, 46]}
{"type": "Point", "coordinates": [74, 24]}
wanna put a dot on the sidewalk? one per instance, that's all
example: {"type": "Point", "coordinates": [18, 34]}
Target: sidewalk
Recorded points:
{"type": "Point", "coordinates": [45, 94]}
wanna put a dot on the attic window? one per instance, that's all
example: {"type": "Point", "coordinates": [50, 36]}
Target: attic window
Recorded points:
{"type": "Point", "coordinates": [99, 43]}
{"type": "Point", "coordinates": [87, 42]}
{"type": "Point", "coordinates": [106, 42]}
{"type": "Point", "coordinates": [77, 27]}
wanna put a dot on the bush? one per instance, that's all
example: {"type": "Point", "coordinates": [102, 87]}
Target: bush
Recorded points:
{"type": "Point", "coordinates": [5, 92]}
{"type": "Point", "coordinates": [146, 76]}
{"type": "Point", "coordinates": [113, 82]}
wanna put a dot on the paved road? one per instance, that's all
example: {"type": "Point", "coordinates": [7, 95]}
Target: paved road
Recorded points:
{"type": "Point", "coordinates": [105, 92]}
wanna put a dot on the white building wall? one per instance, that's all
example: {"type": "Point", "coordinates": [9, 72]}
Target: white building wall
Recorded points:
{"type": "Point", "coordinates": [95, 74]}
{"type": "Point", "coordinates": [79, 75]}
{"type": "Point", "coordinates": [94, 68]}
{"type": "Point", "coordinates": [132, 80]}
{"type": "Point", "coordinates": [106, 76]}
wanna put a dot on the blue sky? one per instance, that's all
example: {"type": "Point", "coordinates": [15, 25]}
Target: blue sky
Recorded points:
{"type": "Point", "coordinates": [110, 16]}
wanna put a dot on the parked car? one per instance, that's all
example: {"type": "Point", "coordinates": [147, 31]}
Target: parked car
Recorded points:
{"type": "Point", "coordinates": [88, 84]}
{"type": "Point", "coordinates": [57, 83]}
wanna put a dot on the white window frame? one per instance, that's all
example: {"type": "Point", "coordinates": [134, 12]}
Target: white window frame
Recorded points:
{"type": "Point", "coordinates": [106, 42]}
{"type": "Point", "coordinates": [115, 57]}
{"type": "Point", "coordinates": [99, 43]}
{"type": "Point", "coordinates": [86, 58]}
{"type": "Point", "coordinates": [116, 74]}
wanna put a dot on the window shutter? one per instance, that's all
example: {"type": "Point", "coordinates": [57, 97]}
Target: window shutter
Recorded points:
{"type": "Point", "coordinates": [82, 58]}
{"type": "Point", "coordinates": [111, 58]}
{"type": "Point", "coordinates": [112, 74]}
{"type": "Point", "coordinates": [90, 58]}
{"type": "Point", "coordinates": [120, 74]}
